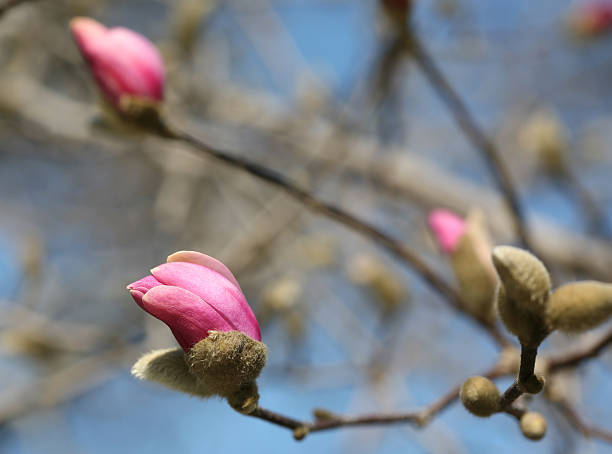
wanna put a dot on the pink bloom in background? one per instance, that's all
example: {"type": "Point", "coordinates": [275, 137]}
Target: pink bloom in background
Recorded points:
{"type": "Point", "coordinates": [194, 294]}
{"type": "Point", "coordinates": [592, 18]}
{"type": "Point", "coordinates": [122, 61]}
{"type": "Point", "coordinates": [447, 228]}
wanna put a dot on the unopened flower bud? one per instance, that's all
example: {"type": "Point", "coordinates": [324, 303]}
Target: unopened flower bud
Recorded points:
{"type": "Point", "coordinates": [448, 228]}
{"type": "Point", "coordinates": [473, 268]}
{"type": "Point", "coordinates": [523, 293]}
{"type": "Point", "coordinates": [200, 300]}
{"type": "Point", "coordinates": [299, 433]}
{"type": "Point", "coordinates": [533, 425]}
{"type": "Point", "coordinates": [592, 18]}
{"type": "Point", "coordinates": [126, 66]}
{"type": "Point", "coordinates": [194, 294]}
{"type": "Point", "coordinates": [480, 396]}
{"type": "Point", "coordinates": [580, 306]}
{"type": "Point", "coordinates": [322, 414]}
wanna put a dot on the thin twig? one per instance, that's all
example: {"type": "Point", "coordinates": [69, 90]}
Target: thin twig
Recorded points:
{"type": "Point", "coordinates": [526, 372]}
{"type": "Point", "coordinates": [418, 418]}
{"type": "Point", "coordinates": [472, 131]}
{"type": "Point", "coordinates": [574, 359]}
{"type": "Point", "coordinates": [578, 422]}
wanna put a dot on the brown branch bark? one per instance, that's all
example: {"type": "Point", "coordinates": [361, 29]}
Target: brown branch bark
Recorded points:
{"type": "Point", "coordinates": [526, 372]}
{"type": "Point", "coordinates": [575, 358]}
{"type": "Point", "coordinates": [419, 418]}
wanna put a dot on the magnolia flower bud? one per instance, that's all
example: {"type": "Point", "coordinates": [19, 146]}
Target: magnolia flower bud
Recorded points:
{"type": "Point", "coordinates": [471, 262]}
{"type": "Point", "coordinates": [591, 18]}
{"type": "Point", "coordinates": [200, 300]}
{"type": "Point", "coordinates": [533, 425]}
{"type": "Point", "coordinates": [523, 293]}
{"type": "Point", "coordinates": [480, 396]}
{"type": "Point", "coordinates": [126, 66]}
{"type": "Point", "coordinates": [579, 306]}
{"type": "Point", "coordinates": [194, 294]}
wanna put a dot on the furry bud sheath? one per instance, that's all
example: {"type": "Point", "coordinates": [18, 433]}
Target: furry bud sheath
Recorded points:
{"type": "Point", "coordinates": [480, 396]}
{"type": "Point", "coordinates": [523, 293]}
{"type": "Point", "coordinates": [533, 425]}
{"type": "Point", "coordinates": [580, 306]}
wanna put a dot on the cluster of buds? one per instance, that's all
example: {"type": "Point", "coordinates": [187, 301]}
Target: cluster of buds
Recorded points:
{"type": "Point", "coordinates": [221, 350]}
{"type": "Point", "coordinates": [530, 310]}
{"type": "Point", "coordinates": [466, 242]}
{"type": "Point", "coordinates": [480, 396]}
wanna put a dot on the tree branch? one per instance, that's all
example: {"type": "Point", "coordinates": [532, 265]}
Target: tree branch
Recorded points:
{"type": "Point", "coordinates": [401, 251]}
{"type": "Point", "coordinates": [579, 424]}
{"type": "Point", "coordinates": [472, 131]}
{"type": "Point", "coordinates": [575, 358]}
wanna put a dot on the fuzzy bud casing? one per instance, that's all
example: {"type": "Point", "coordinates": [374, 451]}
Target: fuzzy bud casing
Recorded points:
{"type": "Point", "coordinates": [523, 293]}
{"type": "Point", "coordinates": [471, 262]}
{"type": "Point", "coordinates": [168, 368]}
{"type": "Point", "coordinates": [480, 396]}
{"type": "Point", "coordinates": [580, 306]}
{"type": "Point", "coordinates": [228, 363]}
{"type": "Point", "coordinates": [533, 425]}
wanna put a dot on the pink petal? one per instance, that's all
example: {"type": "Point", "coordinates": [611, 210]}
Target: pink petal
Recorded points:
{"type": "Point", "coordinates": [140, 287]}
{"type": "Point", "coordinates": [213, 288]}
{"type": "Point", "coordinates": [145, 284]}
{"type": "Point", "coordinates": [447, 228]}
{"type": "Point", "coordinates": [205, 260]}
{"type": "Point", "coordinates": [188, 316]}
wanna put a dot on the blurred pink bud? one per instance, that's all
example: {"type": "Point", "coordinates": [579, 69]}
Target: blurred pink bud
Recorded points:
{"type": "Point", "coordinates": [592, 18]}
{"type": "Point", "coordinates": [447, 228]}
{"type": "Point", "coordinates": [194, 294]}
{"type": "Point", "coordinates": [123, 62]}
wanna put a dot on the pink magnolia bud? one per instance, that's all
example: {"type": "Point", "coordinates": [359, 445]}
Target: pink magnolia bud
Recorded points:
{"type": "Point", "coordinates": [123, 62]}
{"type": "Point", "coordinates": [194, 294]}
{"type": "Point", "coordinates": [447, 228]}
{"type": "Point", "coordinates": [592, 18]}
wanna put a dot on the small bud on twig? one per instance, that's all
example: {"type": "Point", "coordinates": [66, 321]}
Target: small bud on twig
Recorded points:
{"type": "Point", "coordinates": [299, 433]}
{"type": "Point", "coordinates": [533, 425]}
{"type": "Point", "coordinates": [534, 384]}
{"type": "Point", "coordinates": [480, 396]}
{"type": "Point", "coordinates": [580, 306]}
